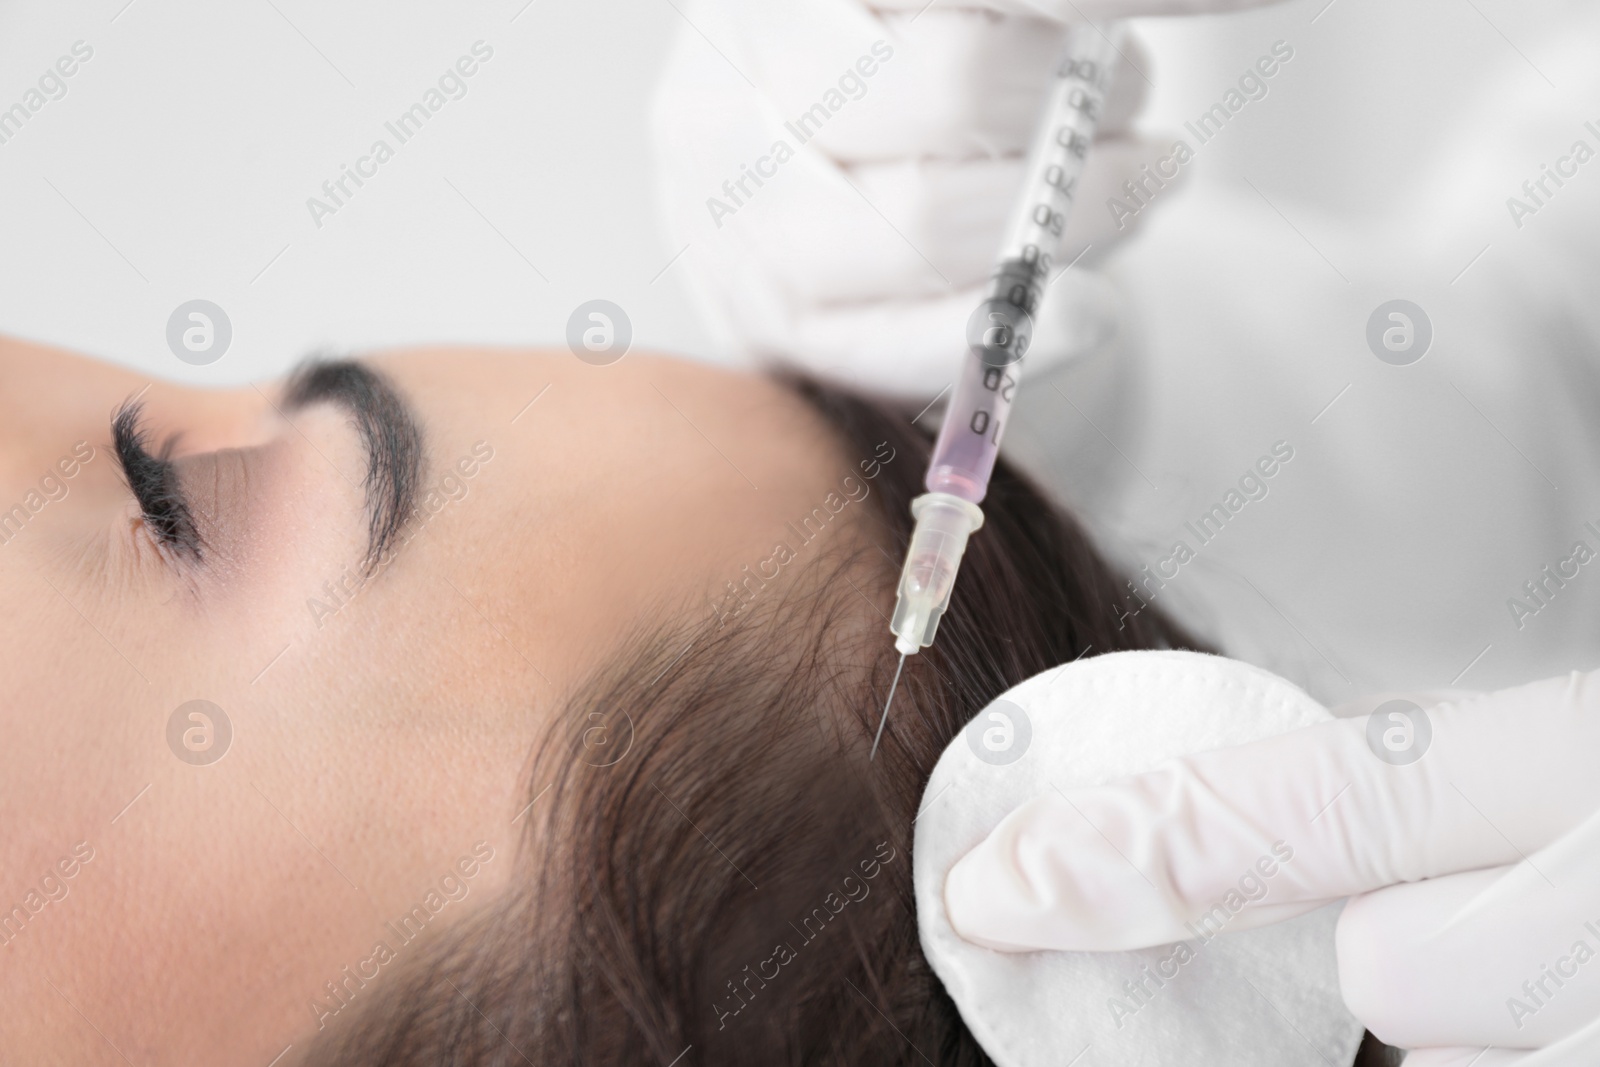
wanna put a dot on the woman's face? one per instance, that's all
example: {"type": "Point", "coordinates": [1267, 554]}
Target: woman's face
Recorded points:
{"type": "Point", "coordinates": [364, 730]}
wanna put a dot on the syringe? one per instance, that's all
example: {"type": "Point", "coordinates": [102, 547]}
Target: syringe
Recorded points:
{"type": "Point", "coordinates": [998, 335]}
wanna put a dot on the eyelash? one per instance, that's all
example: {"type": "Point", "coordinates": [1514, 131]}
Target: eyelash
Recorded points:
{"type": "Point", "coordinates": [153, 480]}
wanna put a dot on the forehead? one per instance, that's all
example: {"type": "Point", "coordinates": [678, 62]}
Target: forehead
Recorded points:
{"type": "Point", "coordinates": [643, 422]}
{"type": "Point", "coordinates": [586, 492]}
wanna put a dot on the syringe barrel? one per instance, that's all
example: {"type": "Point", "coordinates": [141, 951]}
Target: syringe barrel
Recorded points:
{"type": "Point", "coordinates": [944, 522]}
{"type": "Point", "coordinates": [1000, 331]}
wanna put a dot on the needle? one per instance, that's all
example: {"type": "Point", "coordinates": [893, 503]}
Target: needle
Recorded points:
{"type": "Point", "coordinates": [885, 720]}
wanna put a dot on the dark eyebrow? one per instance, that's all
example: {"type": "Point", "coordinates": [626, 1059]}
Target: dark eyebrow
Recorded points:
{"type": "Point", "coordinates": [389, 431]}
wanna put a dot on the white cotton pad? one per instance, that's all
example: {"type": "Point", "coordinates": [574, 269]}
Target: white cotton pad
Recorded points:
{"type": "Point", "coordinates": [1267, 997]}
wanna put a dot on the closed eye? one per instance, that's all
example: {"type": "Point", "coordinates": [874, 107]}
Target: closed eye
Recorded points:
{"type": "Point", "coordinates": [383, 419]}
{"type": "Point", "coordinates": [152, 477]}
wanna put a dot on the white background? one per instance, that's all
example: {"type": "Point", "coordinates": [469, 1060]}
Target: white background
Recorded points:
{"type": "Point", "coordinates": [193, 138]}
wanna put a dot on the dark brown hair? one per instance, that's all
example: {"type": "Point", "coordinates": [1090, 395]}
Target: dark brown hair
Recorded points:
{"type": "Point", "coordinates": [736, 888]}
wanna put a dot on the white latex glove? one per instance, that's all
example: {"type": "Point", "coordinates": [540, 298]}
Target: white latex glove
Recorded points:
{"type": "Point", "coordinates": [862, 256]}
{"type": "Point", "coordinates": [1473, 872]}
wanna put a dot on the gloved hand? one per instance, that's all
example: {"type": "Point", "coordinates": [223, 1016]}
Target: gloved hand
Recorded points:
{"type": "Point", "coordinates": [838, 173]}
{"type": "Point", "coordinates": [1466, 835]}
